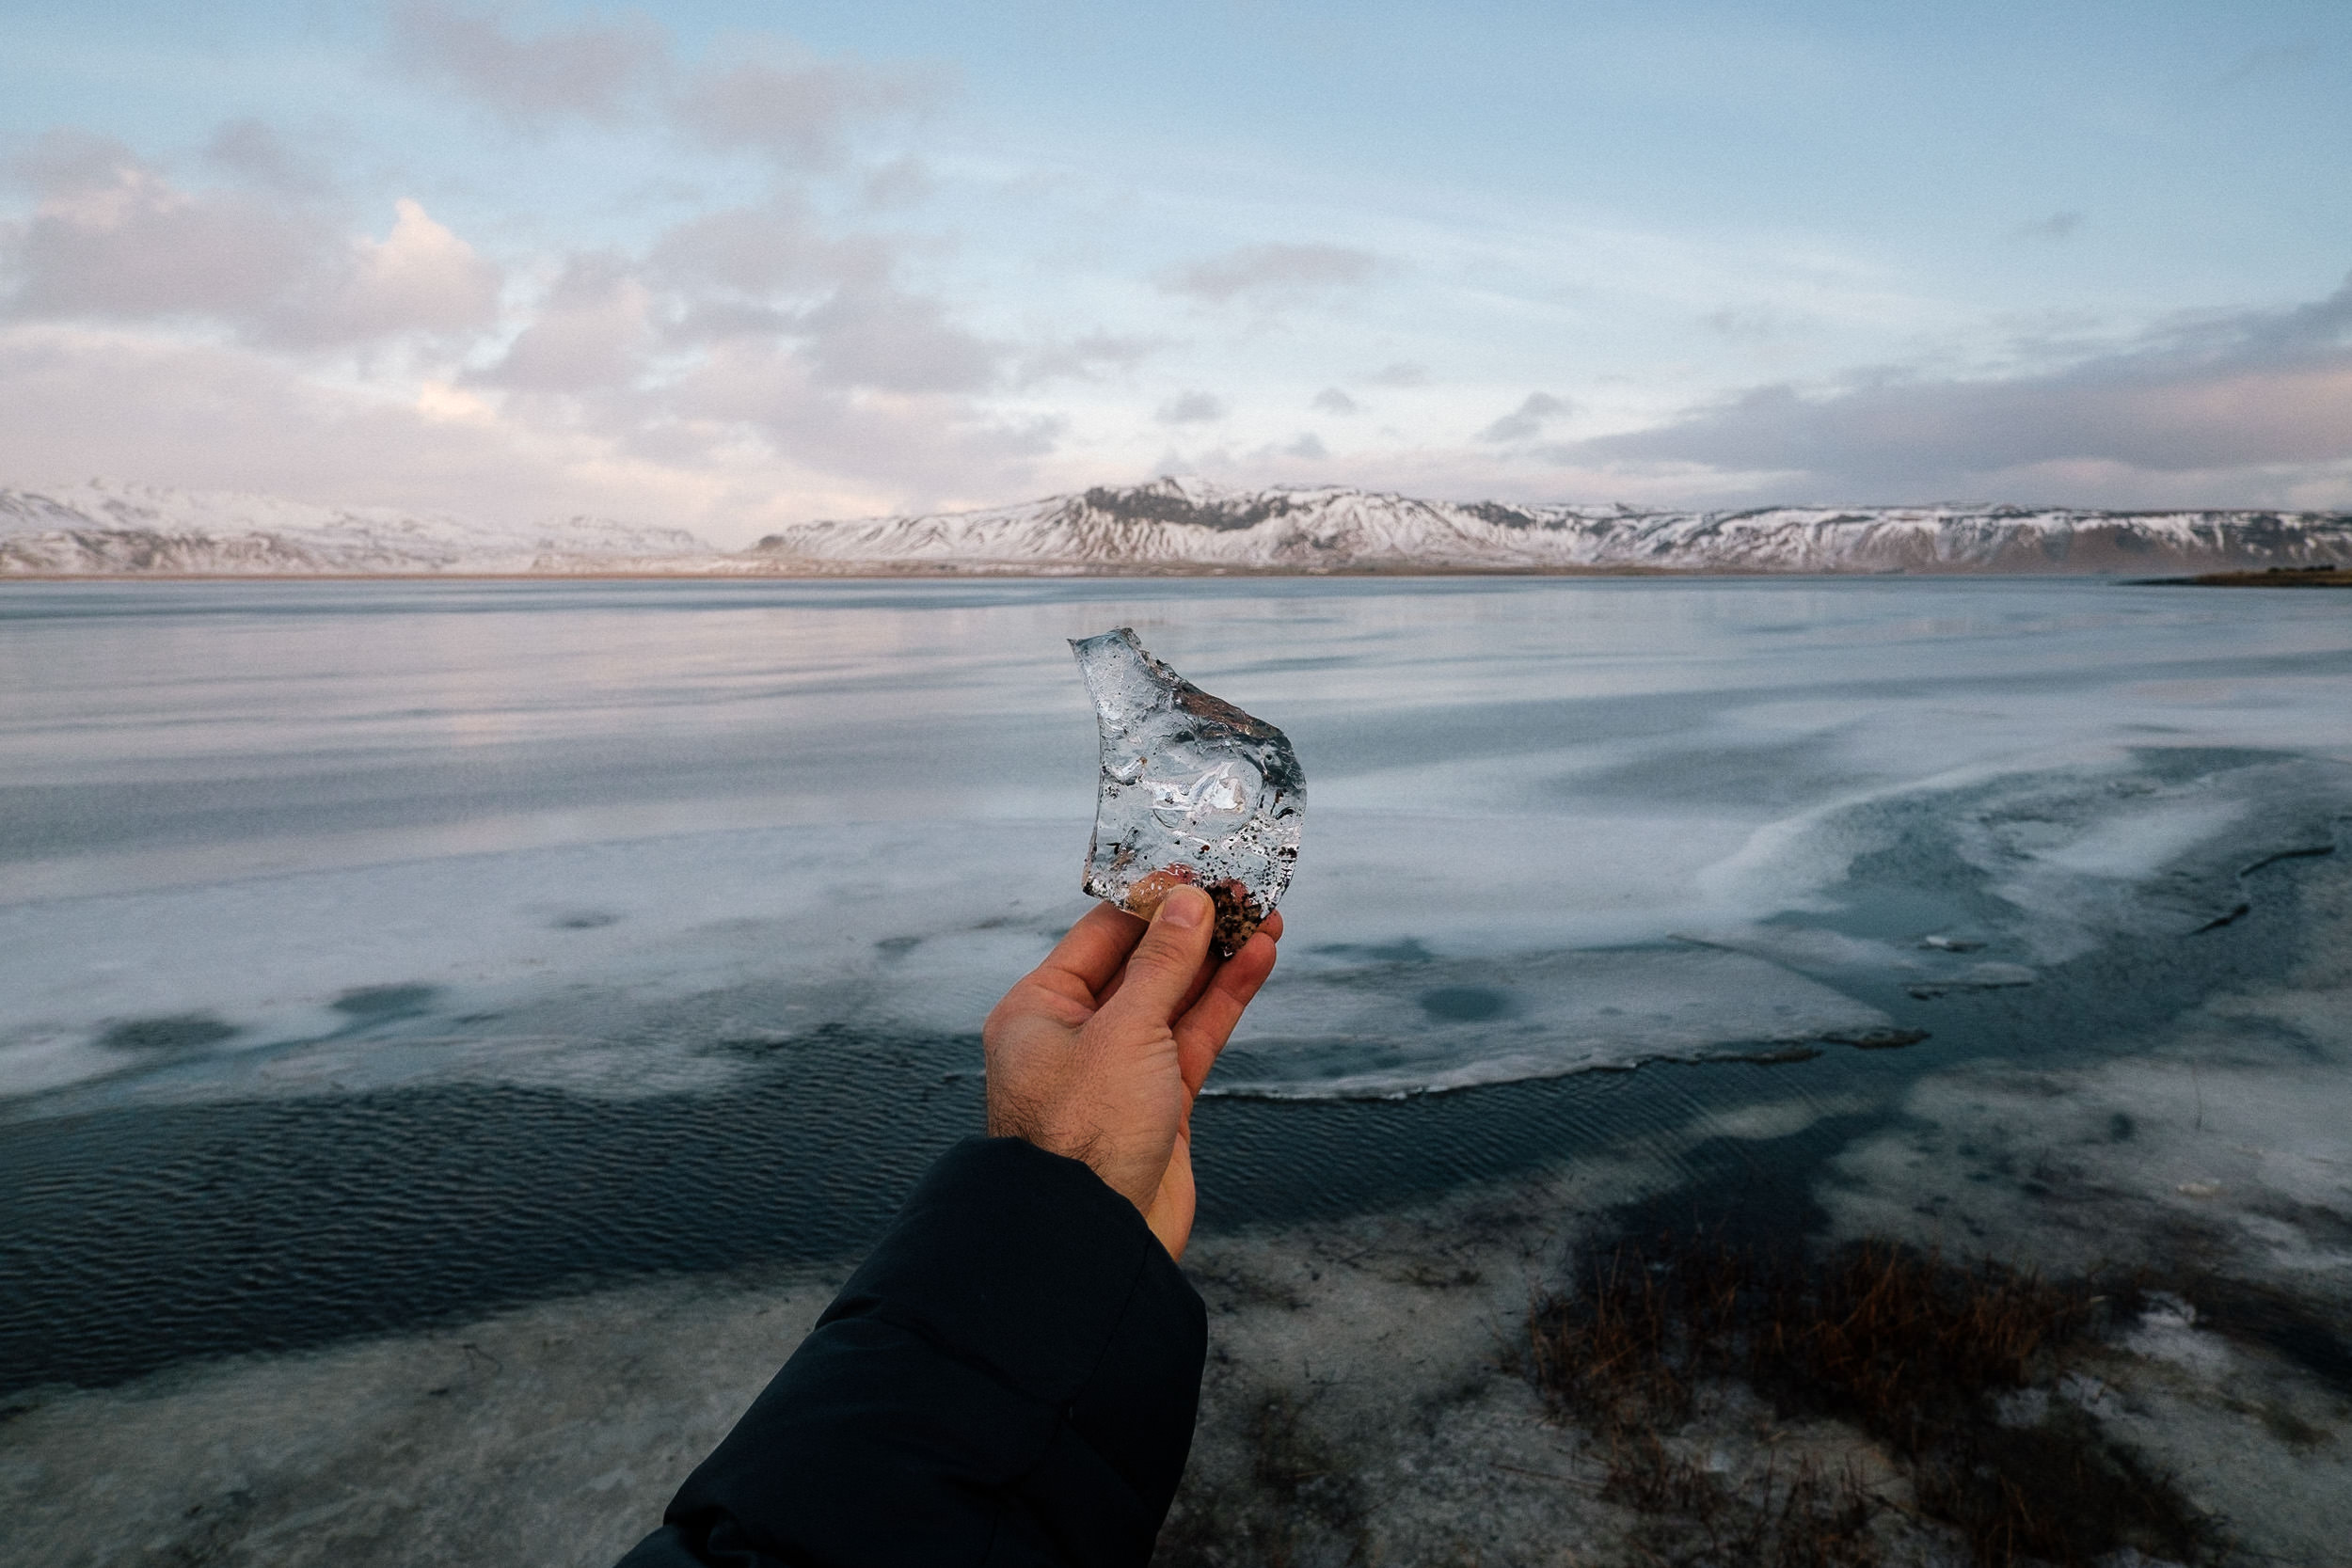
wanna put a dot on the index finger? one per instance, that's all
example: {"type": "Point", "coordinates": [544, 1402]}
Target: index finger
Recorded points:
{"type": "Point", "coordinates": [1092, 950]}
{"type": "Point", "coordinates": [1272, 927]}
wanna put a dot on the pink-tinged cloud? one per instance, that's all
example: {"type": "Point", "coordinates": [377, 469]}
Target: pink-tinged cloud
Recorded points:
{"type": "Point", "coordinates": [112, 239]}
{"type": "Point", "coordinates": [741, 443]}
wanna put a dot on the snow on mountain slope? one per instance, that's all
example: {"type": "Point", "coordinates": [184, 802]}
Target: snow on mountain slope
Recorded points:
{"type": "Point", "coordinates": [106, 528]}
{"type": "Point", "coordinates": [1183, 524]}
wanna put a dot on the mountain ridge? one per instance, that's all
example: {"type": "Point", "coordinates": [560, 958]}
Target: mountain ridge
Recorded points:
{"type": "Point", "coordinates": [109, 529]}
{"type": "Point", "coordinates": [1174, 524]}
{"type": "Point", "coordinates": [106, 529]}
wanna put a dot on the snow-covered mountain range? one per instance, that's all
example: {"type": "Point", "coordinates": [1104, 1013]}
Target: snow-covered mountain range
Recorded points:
{"type": "Point", "coordinates": [1185, 525]}
{"type": "Point", "coordinates": [104, 529]}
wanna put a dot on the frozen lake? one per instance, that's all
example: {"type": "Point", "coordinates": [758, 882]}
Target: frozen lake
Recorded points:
{"type": "Point", "coordinates": [376, 951]}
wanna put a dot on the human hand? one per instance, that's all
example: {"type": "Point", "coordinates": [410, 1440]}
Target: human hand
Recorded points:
{"type": "Point", "coordinates": [1099, 1051]}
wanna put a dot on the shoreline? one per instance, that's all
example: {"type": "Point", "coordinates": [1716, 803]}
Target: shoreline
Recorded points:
{"type": "Point", "coordinates": [2250, 577]}
{"type": "Point", "coordinates": [983, 573]}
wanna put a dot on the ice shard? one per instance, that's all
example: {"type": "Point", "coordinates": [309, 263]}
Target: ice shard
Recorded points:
{"type": "Point", "coordinates": [1193, 790]}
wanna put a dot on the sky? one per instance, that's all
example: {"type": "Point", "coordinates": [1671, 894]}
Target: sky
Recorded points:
{"type": "Point", "coordinates": [728, 265]}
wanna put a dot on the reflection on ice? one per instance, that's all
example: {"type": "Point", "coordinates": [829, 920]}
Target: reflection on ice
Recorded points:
{"type": "Point", "coordinates": [1192, 790]}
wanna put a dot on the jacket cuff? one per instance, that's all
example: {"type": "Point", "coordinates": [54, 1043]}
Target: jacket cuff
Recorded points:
{"type": "Point", "coordinates": [1029, 1265]}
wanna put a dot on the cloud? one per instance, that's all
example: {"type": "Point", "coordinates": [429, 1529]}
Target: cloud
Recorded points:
{"type": "Point", "coordinates": [755, 363]}
{"type": "Point", "coordinates": [111, 239]}
{"type": "Point", "coordinates": [599, 72]}
{"type": "Point", "coordinates": [594, 328]}
{"type": "Point", "coordinates": [1308, 446]}
{"type": "Point", "coordinates": [1271, 270]}
{"type": "Point", "coordinates": [77, 401]}
{"type": "Point", "coordinates": [254, 151]}
{"type": "Point", "coordinates": [777, 104]}
{"type": "Point", "coordinates": [1403, 373]}
{"type": "Point", "coordinates": [1087, 357]}
{"type": "Point", "coordinates": [2250, 391]}
{"type": "Point", "coordinates": [885, 338]}
{"type": "Point", "coordinates": [766, 271]}
{"type": "Point", "coordinates": [606, 320]}
{"type": "Point", "coordinates": [746, 353]}
{"type": "Point", "coordinates": [1744, 325]}
{"type": "Point", "coordinates": [418, 278]}
{"type": "Point", "coordinates": [772, 246]}
{"type": "Point", "coordinates": [2058, 225]}
{"type": "Point", "coordinates": [1191, 409]}
{"type": "Point", "coordinates": [2277, 60]}
{"type": "Point", "coordinates": [1527, 419]}
{"type": "Point", "coordinates": [796, 114]}
{"type": "Point", "coordinates": [1332, 401]}
{"type": "Point", "coordinates": [902, 181]}
{"type": "Point", "coordinates": [744, 441]}
{"type": "Point", "coordinates": [911, 447]}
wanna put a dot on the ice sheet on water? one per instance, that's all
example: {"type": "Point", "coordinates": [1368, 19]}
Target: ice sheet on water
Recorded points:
{"type": "Point", "coordinates": [1434, 951]}
{"type": "Point", "coordinates": [1525, 868]}
{"type": "Point", "coordinates": [1410, 1023]}
{"type": "Point", "coordinates": [1193, 790]}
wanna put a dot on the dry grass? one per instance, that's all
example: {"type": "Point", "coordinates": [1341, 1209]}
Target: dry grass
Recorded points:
{"type": "Point", "coordinates": [1299, 1504]}
{"type": "Point", "coordinates": [1910, 1348]}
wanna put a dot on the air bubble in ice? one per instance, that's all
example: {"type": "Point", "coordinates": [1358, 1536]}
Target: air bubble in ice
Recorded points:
{"type": "Point", "coordinates": [1193, 790]}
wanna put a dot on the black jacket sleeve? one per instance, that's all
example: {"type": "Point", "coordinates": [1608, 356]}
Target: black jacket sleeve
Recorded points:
{"type": "Point", "coordinates": [1011, 1378]}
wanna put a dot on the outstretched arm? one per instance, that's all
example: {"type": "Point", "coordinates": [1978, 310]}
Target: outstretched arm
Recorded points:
{"type": "Point", "coordinates": [1011, 1376]}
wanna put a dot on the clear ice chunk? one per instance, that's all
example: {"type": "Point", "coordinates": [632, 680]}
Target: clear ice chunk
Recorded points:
{"type": "Point", "coordinates": [1193, 790]}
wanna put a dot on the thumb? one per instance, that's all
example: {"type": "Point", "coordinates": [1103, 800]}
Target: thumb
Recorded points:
{"type": "Point", "coordinates": [1160, 971]}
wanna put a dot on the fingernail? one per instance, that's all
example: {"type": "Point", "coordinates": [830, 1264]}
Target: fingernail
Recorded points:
{"type": "Point", "coordinates": [1185, 907]}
